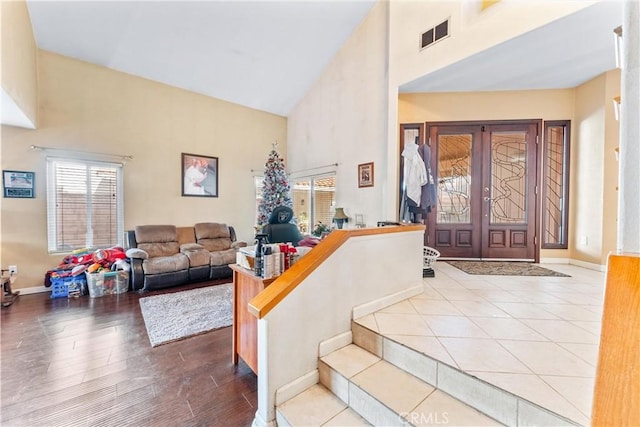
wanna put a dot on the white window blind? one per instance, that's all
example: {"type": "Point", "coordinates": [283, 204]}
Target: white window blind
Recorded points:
{"type": "Point", "coordinates": [314, 201]}
{"type": "Point", "coordinates": [84, 204]}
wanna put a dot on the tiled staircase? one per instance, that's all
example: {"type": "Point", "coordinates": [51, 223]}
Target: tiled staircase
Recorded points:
{"type": "Point", "coordinates": [377, 381]}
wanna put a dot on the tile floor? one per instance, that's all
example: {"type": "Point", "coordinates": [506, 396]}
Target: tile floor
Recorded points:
{"type": "Point", "coordinates": [536, 337]}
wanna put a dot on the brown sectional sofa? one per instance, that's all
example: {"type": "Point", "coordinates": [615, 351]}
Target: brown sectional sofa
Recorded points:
{"type": "Point", "coordinates": [162, 256]}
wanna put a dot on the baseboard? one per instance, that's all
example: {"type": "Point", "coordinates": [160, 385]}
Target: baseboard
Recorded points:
{"type": "Point", "coordinates": [33, 290]}
{"type": "Point", "coordinates": [555, 260]}
{"type": "Point", "coordinates": [335, 343]}
{"type": "Point", "coordinates": [379, 304]}
{"type": "Point", "coordinates": [258, 421]}
{"type": "Point", "coordinates": [297, 386]}
{"type": "Point", "coordinates": [573, 261]}
{"type": "Point", "coordinates": [589, 265]}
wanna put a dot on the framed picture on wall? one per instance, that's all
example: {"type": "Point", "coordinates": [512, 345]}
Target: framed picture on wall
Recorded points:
{"type": "Point", "coordinates": [18, 184]}
{"type": "Point", "coordinates": [199, 175]}
{"type": "Point", "coordinates": [365, 175]}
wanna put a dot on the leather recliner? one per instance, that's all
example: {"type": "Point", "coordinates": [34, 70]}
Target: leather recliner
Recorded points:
{"type": "Point", "coordinates": [280, 229]}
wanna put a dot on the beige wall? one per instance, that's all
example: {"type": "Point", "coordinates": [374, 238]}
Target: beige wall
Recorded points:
{"type": "Point", "coordinates": [84, 107]}
{"type": "Point", "coordinates": [587, 174]}
{"type": "Point", "coordinates": [19, 57]}
{"type": "Point", "coordinates": [594, 170]}
{"type": "Point", "coordinates": [504, 105]}
{"type": "Point", "coordinates": [342, 119]}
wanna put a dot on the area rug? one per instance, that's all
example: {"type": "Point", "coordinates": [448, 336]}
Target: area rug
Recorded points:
{"type": "Point", "coordinates": [175, 316]}
{"type": "Point", "coordinates": [504, 268]}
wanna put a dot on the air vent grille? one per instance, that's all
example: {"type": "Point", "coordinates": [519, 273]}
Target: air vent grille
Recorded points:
{"type": "Point", "coordinates": [434, 34]}
{"type": "Point", "coordinates": [427, 38]}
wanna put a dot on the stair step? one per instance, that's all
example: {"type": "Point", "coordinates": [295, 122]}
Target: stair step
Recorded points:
{"type": "Point", "coordinates": [479, 396]}
{"type": "Point", "coordinates": [317, 406]}
{"type": "Point", "coordinates": [380, 381]}
{"type": "Point", "coordinates": [386, 395]}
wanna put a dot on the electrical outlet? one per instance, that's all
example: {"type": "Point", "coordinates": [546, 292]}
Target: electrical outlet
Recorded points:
{"type": "Point", "coordinates": [13, 269]}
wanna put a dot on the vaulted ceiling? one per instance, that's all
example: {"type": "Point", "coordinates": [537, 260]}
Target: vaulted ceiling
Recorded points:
{"type": "Point", "coordinates": [261, 54]}
{"type": "Point", "coordinates": [266, 54]}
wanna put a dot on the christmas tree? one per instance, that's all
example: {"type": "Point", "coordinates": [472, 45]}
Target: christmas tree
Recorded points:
{"type": "Point", "coordinates": [275, 188]}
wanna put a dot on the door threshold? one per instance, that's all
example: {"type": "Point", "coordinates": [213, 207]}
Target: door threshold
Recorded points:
{"type": "Point", "coordinates": [486, 259]}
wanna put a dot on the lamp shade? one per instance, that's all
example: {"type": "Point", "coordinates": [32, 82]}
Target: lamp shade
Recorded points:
{"type": "Point", "coordinates": [340, 214]}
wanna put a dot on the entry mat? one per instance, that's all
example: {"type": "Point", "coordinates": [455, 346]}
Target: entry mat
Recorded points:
{"type": "Point", "coordinates": [504, 268]}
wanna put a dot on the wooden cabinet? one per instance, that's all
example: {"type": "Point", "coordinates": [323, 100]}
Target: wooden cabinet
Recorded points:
{"type": "Point", "coordinates": [246, 285]}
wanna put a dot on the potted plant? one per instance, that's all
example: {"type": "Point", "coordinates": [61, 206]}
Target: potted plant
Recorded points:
{"type": "Point", "coordinates": [320, 229]}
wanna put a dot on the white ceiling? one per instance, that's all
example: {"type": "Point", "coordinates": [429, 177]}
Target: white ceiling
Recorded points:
{"type": "Point", "coordinates": [266, 54]}
{"type": "Point", "coordinates": [262, 54]}
{"type": "Point", "coordinates": [563, 54]}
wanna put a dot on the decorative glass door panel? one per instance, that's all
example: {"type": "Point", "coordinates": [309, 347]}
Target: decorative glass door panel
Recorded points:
{"type": "Point", "coordinates": [508, 196]}
{"type": "Point", "coordinates": [456, 157]}
{"type": "Point", "coordinates": [454, 179]}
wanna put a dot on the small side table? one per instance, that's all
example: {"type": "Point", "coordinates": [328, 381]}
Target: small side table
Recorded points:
{"type": "Point", "coordinates": [7, 296]}
{"type": "Point", "coordinates": [246, 285]}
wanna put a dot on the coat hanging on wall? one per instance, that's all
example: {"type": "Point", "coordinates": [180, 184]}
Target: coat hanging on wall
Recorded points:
{"type": "Point", "coordinates": [415, 176]}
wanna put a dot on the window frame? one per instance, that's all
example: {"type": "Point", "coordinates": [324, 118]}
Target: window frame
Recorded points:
{"type": "Point", "coordinates": [566, 161]}
{"type": "Point", "coordinates": [312, 220]}
{"type": "Point", "coordinates": [52, 163]}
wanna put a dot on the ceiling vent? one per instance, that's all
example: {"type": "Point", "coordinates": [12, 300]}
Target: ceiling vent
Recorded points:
{"type": "Point", "coordinates": [434, 34]}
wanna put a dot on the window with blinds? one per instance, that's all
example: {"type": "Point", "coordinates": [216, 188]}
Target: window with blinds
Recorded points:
{"type": "Point", "coordinates": [314, 201]}
{"type": "Point", "coordinates": [84, 204]}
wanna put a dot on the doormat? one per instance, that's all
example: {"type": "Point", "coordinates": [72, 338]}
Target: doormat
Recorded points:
{"type": "Point", "coordinates": [504, 268]}
{"type": "Point", "coordinates": [179, 315]}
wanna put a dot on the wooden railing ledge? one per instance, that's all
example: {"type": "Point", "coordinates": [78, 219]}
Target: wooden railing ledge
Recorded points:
{"type": "Point", "coordinates": [290, 279]}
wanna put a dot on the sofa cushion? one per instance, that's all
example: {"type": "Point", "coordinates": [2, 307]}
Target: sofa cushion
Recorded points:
{"type": "Point", "coordinates": [211, 230]}
{"type": "Point", "coordinates": [160, 249]}
{"type": "Point", "coordinates": [198, 258]}
{"type": "Point", "coordinates": [157, 240]}
{"type": "Point", "coordinates": [188, 247]}
{"type": "Point", "coordinates": [165, 264]}
{"type": "Point", "coordinates": [223, 257]}
{"type": "Point", "coordinates": [213, 236]}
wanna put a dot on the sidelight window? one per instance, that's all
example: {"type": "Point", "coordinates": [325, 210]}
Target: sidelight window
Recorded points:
{"type": "Point", "coordinates": [555, 200]}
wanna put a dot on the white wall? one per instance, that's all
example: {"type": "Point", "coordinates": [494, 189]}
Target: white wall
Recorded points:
{"type": "Point", "coordinates": [629, 202]}
{"type": "Point", "coordinates": [343, 118]}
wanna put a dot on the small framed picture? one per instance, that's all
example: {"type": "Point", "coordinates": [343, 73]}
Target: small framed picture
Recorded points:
{"type": "Point", "coordinates": [365, 175]}
{"type": "Point", "coordinates": [18, 184]}
{"type": "Point", "coordinates": [199, 175]}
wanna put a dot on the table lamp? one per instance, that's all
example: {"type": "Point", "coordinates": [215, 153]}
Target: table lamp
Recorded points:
{"type": "Point", "coordinates": [340, 217]}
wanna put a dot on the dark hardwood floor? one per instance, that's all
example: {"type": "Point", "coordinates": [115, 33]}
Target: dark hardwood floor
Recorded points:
{"type": "Point", "coordinates": [88, 362]}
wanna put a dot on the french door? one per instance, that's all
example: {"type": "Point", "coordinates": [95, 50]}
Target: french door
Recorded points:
{"type": "Point", "coordinates": [486, 185]}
